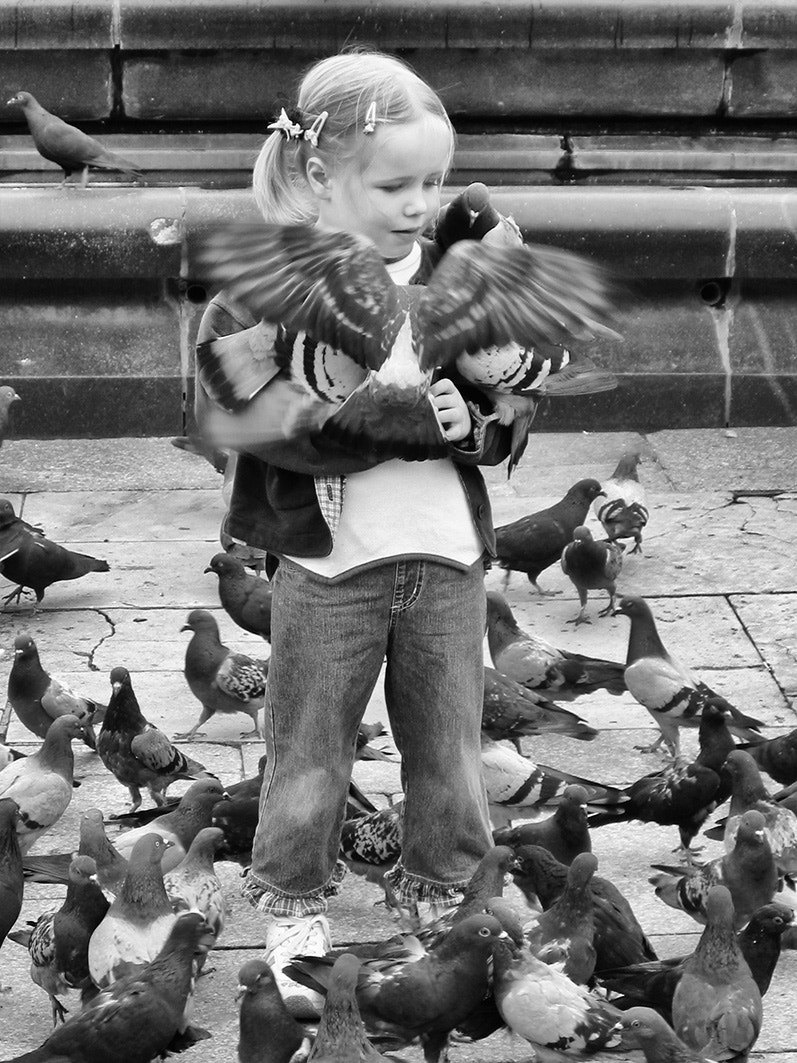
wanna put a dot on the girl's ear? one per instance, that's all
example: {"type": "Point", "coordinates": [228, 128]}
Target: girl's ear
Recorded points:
{"type": "Point", "coordinates": [317, 177]}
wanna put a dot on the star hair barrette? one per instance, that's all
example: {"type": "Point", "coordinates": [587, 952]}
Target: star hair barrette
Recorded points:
{"type": "Point", "coordinates": [295, 131]}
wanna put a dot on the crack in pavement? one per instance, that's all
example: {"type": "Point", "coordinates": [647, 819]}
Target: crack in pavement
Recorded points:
{"type": "Point", "coordinates": [94, 650]}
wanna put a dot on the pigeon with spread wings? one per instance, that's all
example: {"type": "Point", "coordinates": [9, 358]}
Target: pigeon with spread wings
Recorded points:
{"type": "Point", "coordinates": [363, 350]}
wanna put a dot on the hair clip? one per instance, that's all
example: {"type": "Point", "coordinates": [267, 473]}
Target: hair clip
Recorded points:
{"type": "Point", "coordinates": [284, 124]}
{"type": "Point", "coordinates": [370, 118]}
{"type": "Point", "coordinates": [314, 131]}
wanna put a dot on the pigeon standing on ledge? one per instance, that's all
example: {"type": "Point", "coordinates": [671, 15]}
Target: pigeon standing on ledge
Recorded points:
{"type": "Point", "coordinates": [66, 145]}
{"type": "Point", "coordinates": [8, 399]}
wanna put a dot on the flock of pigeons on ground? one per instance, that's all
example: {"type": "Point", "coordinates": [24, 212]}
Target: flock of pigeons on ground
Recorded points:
{"type": "Point", "coordinates": [573, 974]}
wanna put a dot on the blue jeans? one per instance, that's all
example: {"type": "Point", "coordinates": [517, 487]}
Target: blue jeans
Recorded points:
{"type": "Point", "coordinates": [328, 645]}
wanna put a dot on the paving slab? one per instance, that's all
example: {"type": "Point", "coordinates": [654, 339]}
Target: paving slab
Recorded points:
{"type": "Point", "coordinates": [717, 567]}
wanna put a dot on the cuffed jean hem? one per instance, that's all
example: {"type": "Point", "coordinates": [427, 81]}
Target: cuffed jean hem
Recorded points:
{"type": "Point", "coordinates": [409, 888]}
{"type": "Point", "coordinates": [267, 898]}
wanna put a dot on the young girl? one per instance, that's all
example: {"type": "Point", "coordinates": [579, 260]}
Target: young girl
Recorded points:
{"type": "Point", "coordinates": [370, 560]}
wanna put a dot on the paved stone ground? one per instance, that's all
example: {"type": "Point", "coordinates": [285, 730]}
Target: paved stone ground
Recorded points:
{"type": "Point", "coordinates": [718, 569]}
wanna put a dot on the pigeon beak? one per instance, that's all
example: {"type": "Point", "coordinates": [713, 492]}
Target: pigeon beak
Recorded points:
{"type": "Point", "coordinates": [208, 569]}
{"type": "Point", "coordinates": [240, 992]}
{"type": "Point", "coordinates": [116, 687]}
{"type": "Point", "coordinates": [167, 843]}
{"type": "Point", "coordinates": [186, 627]}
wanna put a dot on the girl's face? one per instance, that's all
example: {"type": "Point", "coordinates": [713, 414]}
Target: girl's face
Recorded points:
{"type": "Point", "coordinates": [395, 197]}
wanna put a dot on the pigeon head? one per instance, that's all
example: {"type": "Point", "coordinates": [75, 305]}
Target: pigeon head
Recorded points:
{"type": "Point", "coordinates": [719, 906]}
{"type": "Point", "coordinates": [190, 931]}
{"type": "Point", "coordinates": [82, 869]}
{"type": "Point", "coordinates": [581, 870]}
{"type": "Point", "coordinates": [585, 491]}
{"type": "Point", "coordinates": [149, 850]}
{"type": "Point", "coordinates": [119, 677]}
{"type": "Point", "coordinates": [582, 534]}
{"type": "Point", "coordinates": [642, 1023]}
{"type": "Point", "coordinates": [200, 620]}
{"type": "Point", "coordinates": [752, 828]}
{"type": "Point", "coordinates": [224, 564]}
{"type": "Point", "coordinates": [7, 514]}
{"type": "Point", "coordinates": [575, 796]}
{"type": "Point", "coordinates": [8, 396]}
{"type": "Point", "coordinates": [25, 648]}
{"type": "Point", "coordinates": [21, 99]}
{"type": "Point", "coordinates": [253, 977]}
{"type": "Point", "coordinates": [502, 910]}
{"type": "Point", "coordinates": [632, 605]}
{"type": "Point", "coordinates": [9, 810]}
{"type": "Point", "coordinates": [498, 609]}
{"type": "Point", "coordinates": [745, 776]}
{"type": "Point", "coordinates": [773, 919]}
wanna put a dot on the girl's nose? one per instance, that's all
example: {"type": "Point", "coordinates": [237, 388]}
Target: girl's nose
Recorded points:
{"type": "Point", "coordinates": [416, 203]}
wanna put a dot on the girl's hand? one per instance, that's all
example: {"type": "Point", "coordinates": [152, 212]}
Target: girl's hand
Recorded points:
{"type": "Point", "coordinates": [451, 409]}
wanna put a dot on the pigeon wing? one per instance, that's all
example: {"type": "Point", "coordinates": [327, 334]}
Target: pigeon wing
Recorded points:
{"type": "Point", "coordinates": [153, 749]}
{"type": "Point", "coordinates": [481, 296]}
{"type": "Point", "coordinates": [331, 285]}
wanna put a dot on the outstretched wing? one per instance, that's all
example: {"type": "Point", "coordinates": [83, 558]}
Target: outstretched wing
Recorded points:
{"type": "Point", "coordinates": [481, 297]}
{"type": "Point", "coordinates": [331, 285]}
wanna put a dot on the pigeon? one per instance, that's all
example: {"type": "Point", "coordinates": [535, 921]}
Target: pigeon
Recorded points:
{"type": "Point", "coordinates": [535, 542]}
{"type": "Point", "coordinates": [39, 698]}
{"type": "Point", "coordinates": [66, 145]}
{"type": "Point", "coordinates": [565, 834]}
{"type": "Point", "coordinates": [135, 751]}
{"type": "Point", "coordinates": [558, 1017]}
{"type": "Point", "coordinates": [516, 786]}
{"type": "Point", "coordinates": [592, 565]}
{"type": "Point", "coordinates": [194, 884]}
{"type": "Point", "coordinates": [223, 681]}
{"type": "Point", "coordinates": [471, 216]}
{"type": "Point", "coordinates": [245, 598]}
{"type": "Point", "coordinates": [31, 560]}
{"type": "Point", "coordinates": [111, 866]}
{"type": "Point", "coordinates": [370, 845]}
{"type": "Point", "coordinates": [416, 997]}
{"type": "Point", "coordinates": [683, 794]}
{"type": "Point", "coordinates": [486, 881]}
{"type": "Point", "coordinates": [716, 1007]}
{"type": "Point", "coordinates": [653, 983]}
{"type": "Point", "coordinates": [565, 932]}
{"type": "Point", "coordinates": [657, 1039]}
{"type": "Point", "coordinates": [180, 825]}
{"type": "Point", "coordinates": [361, 350]}
{"type": "Point", "coordinates": [748, 792]}
{"type": "Point", "coordinates": [136, 1019]}
{"type": "Point", "coordinates": [341, 1036]}
{"type": "Point", "coordinates": [749, 872]}
{"type": "Point", "coordinates": [268, 1033]}
{"type": "Point", "coordinates": [624, 512]}
{"type": "Point", "coordinates": [619, 938]}
{"type": "Point", "coordinates": [776, 756]}
{"type": "Point", "coordinates": [512, 711]}
{"type": "Point", "coordinates": [58, 941]}
{"type": "Point", "coordinates": [11, 877]}
{"type": "Point", "coordinates": [136, 926]}
{"type": "Point", "coordinates": [534, 662]}
{"type": "Point", "coordinates": [671, 693]}
{"type": "Point", "coordinates": [8, 399]}
{"type": "Point", "coordinates": [41, 784]}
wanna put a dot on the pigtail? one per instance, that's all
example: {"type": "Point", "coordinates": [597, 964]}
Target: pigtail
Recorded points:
{"type": "Point", "coordinates": [278, 185]}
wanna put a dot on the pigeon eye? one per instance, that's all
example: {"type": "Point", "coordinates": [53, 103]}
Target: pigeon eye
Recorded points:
{"type": "Point", "coordinates": [484, 931]}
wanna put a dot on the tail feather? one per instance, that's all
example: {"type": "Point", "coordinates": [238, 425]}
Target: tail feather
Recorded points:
{"type": "Point", "coordinates": [597, 793]}
{"type": "Point", "coordinates": [49, 867]}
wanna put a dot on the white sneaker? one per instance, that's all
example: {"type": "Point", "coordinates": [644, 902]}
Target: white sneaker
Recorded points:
{"type": "Point", "coordinates": [286, 938]}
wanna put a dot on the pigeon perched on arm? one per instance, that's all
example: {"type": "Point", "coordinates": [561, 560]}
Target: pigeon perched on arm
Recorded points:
{"type": "Point", "coordinates": [8, 399]}
{"type": "Point", "coordinates": [535, 542]}
{"type": "Point", "coordinates": [624, 511]}
{"type": "Point", "coordinates": [362, 350]}
{"type": "Point", "coordinates": [531, 660]}
{"type": "Point", "coordinates": [38, 698]}
{"type": "Point", "coordinates": [31, 560]}
{"type": "Point", "coordinates": [222, 680]}
{"type": "Point", "coordinates": [135, 1020]}
{"type": "Point", "coordinates": [268, 1033]}
{"type": "Point", "coordinates": [66, 145]}
{"type": "Point", "coordinates": [716, 1007]}
{"type": "Point", "coordinates": [58, 941]}
{"type": "Point", "coordinates": [592, 565]}
{"type": "Point", "coordinates": [245, 598]}
{"type": "Point", "coordinates": [41, 784]}
{"type": "Point", "coordinates": [135, 751]}
{"type": "Point", "coordinates": [749, 872]}
{"type": "Point", "coordinates": [671, 693]}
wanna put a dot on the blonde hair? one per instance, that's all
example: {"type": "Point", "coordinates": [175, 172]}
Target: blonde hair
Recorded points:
{"type": "Point", "coordinates": [347, 86]}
